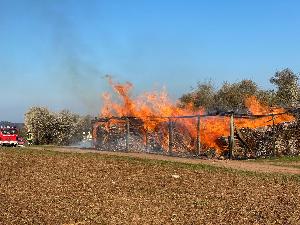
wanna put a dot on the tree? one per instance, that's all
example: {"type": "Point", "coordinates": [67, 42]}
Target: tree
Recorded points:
{"type": "Point", "coordinates": [40, 121]}
{"type": "Point", "coordinates": [287, 94]}
{"type": "Point", "coordinates": [230, 97]}
{"type": "Point", "coordinates": [69, 127]}
{"type": "Point", "coordinates": [62, 128]}
{"type": "Point", "coordinates": [202, 96]}
{"type": "Point", "coordinates": [65, 127]}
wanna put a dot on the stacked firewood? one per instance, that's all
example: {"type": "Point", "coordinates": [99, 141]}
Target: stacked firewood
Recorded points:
{"type": "Point", "coordinates": [277, 140]}
{"type": "Point", "coordinates": [130, 134]}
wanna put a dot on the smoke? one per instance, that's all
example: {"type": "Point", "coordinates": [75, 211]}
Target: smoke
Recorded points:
{"type": "Point", "coordinates": [75, 71]}
{"type": "Point", "coordinates": [82, 144]}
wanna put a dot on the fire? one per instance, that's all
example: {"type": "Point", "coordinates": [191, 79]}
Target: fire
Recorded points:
{"type": "Point", "coordinates": [256, 108]}
{"type": "Point", "coordinates": [155, 108]}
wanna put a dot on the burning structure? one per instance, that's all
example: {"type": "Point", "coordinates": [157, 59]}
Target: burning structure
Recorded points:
{"type": "Point", "coordinates": [152, 123]}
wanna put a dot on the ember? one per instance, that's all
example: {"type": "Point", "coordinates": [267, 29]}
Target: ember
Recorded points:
{"type": "Point", "coordinates": [152, 122]}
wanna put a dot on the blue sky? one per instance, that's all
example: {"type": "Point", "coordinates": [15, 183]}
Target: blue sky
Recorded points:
{"type": "Point", "coordinates": [55, 53]}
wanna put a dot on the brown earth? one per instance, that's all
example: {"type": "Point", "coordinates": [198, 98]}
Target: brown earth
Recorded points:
{"type": "Point", "coordinates": [245, 165]}
{"type": "Point", "coordinates": [49, 187]}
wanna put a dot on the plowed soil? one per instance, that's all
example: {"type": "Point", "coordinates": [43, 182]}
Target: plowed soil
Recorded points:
{"type": "Point", "coordinates": [245, 165]}
{"type": "Point", "coordinates": [50, 187]}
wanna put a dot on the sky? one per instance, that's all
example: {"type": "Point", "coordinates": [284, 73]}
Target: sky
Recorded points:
{"type": "Point", "coordinates": [55, 53]}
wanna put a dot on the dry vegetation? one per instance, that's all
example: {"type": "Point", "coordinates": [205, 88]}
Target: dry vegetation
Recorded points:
{"type": "Point", "coordinates": [46, 187]}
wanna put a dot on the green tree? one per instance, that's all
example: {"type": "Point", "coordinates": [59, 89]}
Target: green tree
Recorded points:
{"type": "Point", "coordinates": [287, 93]}
{"type": "Point", "coordinates": [201, 96]}
{"type": "Point", "coordinates": [230, 97]}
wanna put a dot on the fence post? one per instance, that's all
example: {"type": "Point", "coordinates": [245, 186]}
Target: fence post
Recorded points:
{"type": "Point", "coordinates": [198, 136]}
{"type": "Point", "coordinates": [273, 135]}
{"type": "Point", "coordinates": [127, 134]}
{"type": "Point", "coordinates": [231, 141]}
{"type": "Point", "coordinates": [146, 140]}
{"type": "Point", "coordinates": [170, 136]}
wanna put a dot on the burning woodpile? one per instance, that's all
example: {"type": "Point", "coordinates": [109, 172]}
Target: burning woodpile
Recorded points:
{"type": "Point", "coordinates": [121, 134]}
{"type": "Point", "coordinates": [152, 123]}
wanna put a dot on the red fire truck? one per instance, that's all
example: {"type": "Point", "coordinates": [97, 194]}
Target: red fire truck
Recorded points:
{"type": "Point", "coordinates": [8, 136]}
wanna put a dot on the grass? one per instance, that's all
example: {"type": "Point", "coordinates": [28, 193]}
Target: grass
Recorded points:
{"type": "Point", "coordinates": [284, 159]}
{"type": "Point", "coordinates": [48, 187]}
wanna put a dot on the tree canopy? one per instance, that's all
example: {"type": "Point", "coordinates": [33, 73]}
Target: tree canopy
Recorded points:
{"type": "Point", "coordinates": [231, 96]}
{"type": "Point", "coordinates": [286, 82]}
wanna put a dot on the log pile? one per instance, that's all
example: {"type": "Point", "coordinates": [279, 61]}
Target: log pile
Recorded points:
{"type": "Point", "coordinates": [272, 140]}
{"type": "Point", "coordinates": [277, 140]}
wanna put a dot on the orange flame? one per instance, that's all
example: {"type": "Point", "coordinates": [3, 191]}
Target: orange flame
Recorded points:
{"type": "Point", "coordinates": [154, 108]}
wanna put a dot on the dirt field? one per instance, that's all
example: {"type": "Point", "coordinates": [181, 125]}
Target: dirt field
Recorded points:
{"type": "Point", "coordinates": [50, 187]}
{"type": "Point", "coordinates": [267, 166]}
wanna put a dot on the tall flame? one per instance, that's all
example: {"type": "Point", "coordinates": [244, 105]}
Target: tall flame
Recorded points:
{"type": "Point", "coordinates": [154, 108]}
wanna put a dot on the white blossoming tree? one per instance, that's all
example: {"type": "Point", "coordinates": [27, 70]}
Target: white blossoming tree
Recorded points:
{"type": "Point", "coordinates": [62, 128]}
